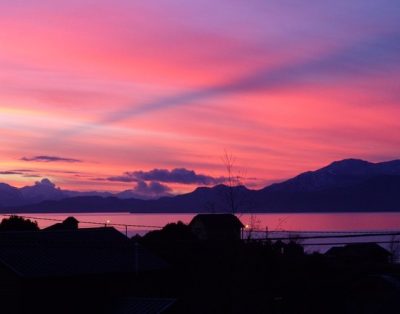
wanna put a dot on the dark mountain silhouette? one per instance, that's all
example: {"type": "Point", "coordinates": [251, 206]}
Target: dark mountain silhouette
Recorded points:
{"type": "Point", "coordinates": [9, 195]}
{"type": "Point", "coordinates": [41, 191]}
{"type": "Point", "coordinates": [380, 193]}
{"type": "Point", "coordinates": [200, 200]}
{"type": "Point", "coordinates": [344, 173]}
{"type": "Point", "coordinates": [347, 185]}
{"type": "Point", "coordinates": [133, 194]}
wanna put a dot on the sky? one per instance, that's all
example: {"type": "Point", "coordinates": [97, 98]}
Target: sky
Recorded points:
{"type": "Point", "coordinates": [150, 95]}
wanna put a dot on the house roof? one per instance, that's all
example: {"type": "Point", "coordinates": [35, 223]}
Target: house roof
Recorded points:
{"type": "Point", "coordinates": [73, 252]}
{"type": "Point", "coordinates": [71, 219]}
{"type": "Point", "coordinates": [217, 221]}
{"type": "Point", "coordinates": [69, 223]}
{"type": "Point", "coordinates": [358, 249]}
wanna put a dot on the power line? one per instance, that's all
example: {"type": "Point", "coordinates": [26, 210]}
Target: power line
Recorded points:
{"type": "Point", "coordinates": [333, 235]}
{"type": "Point", "coordinates": [345, 243]}
{"type": "Point", "coordinates": [86, 222]}
{"type": "Point", "coordinates": [330, 236]}
{"type": "Point", "coordinates": [338, 235]}
{"type": "Point", "coordinates": [314, 232]}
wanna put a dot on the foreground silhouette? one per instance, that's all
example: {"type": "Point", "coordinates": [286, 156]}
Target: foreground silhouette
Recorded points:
{"type": "Point", "coordinates": [273, 276]}
{"type": "Point", "coordinates": [66, 269]}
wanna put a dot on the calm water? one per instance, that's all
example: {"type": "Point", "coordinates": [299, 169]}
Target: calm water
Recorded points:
{"type": "Point", "coordinates": [282, 224]}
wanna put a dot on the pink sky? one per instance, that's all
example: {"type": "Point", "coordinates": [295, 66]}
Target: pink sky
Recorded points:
{"type": "Point", "coordinates": [127, 86]}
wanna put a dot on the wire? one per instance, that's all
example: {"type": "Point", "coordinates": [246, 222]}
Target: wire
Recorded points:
{"type": "Point", "coordinates": [318, 232]}
{"type": "Point", "coordinates": [334, 236]}
{"type": "Point", "coordinates": [345, 243]}
{"type": "Point", "coordinates": [86, 222]}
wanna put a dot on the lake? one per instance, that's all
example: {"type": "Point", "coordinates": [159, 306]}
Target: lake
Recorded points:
{"type": "Point", "coordinates": [285, 224]}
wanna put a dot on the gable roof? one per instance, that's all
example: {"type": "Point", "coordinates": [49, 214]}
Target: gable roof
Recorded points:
{"type": "Point", "coordinates": [68, 223]}
{"type": "Point", "coordinates": [359, 249]}
{"type": "Point", "coordinates": [73, 252]}
{"type": "Point", "coordinates": [367, 248]}
{"type": "Point", "coordinates": [218, 221]}
{"type": "Point", "coordinates": [71, 220]}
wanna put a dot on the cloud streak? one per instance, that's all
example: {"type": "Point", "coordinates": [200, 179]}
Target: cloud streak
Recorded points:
{"type": "Point", "coordinates": [26, 173]}
{"type": "Point", "coordinates": [10, 173]}
{"type": "Point", "coordinates": [374, 55]}
{"type": "Point", "coordinates": [356, 59]}
{"type": "Point", "coordinates": [177, 175]}
{"type": "Point", "coordinates": [44, 158]}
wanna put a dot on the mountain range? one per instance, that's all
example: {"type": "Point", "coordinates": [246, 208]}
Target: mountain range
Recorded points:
{"type": "Point", "coordinates": [343, 186]}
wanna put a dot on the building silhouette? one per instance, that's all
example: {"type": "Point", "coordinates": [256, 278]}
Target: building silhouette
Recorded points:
{"type": "Point", "coordinates": [217, 227]}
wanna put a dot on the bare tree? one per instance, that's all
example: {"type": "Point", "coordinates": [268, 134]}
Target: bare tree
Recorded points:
{"type": "Point", "coordinates": [281, 222]}
{"type": "Point", "coordinates": [233, 195]}
{"type": "Point", "coordinates": [254, 226]}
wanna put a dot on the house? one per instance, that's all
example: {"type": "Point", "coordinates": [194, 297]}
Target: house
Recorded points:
{"type": "Point", "coordinates": [360, 253]}
{"type": "Point", "coordinates": [64, 271]}
{"type": "Point", "coordinates": [70, 223]}
{"type": "Point", "coordinates": [217, 227]}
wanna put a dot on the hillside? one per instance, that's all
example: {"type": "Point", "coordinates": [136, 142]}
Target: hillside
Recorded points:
{"type": "Point", "coordinates": [347, 185]}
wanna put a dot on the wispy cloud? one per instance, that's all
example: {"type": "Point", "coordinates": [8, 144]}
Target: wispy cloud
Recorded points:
{"type": "Point", "coordinates": [356, 59]}
{"type": "Point", "coordinates": [177, 175]}
{"type": "Point", "coordinates": [24, 170]}
{"type": "Point", "coordinates": [10, 173]}
{"type": "Point", "coordinates": [377, 54]}
{"type": "Point", "coordinates": [50, 159]}
{"type": "Point", "coordinates": [25, 174]}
